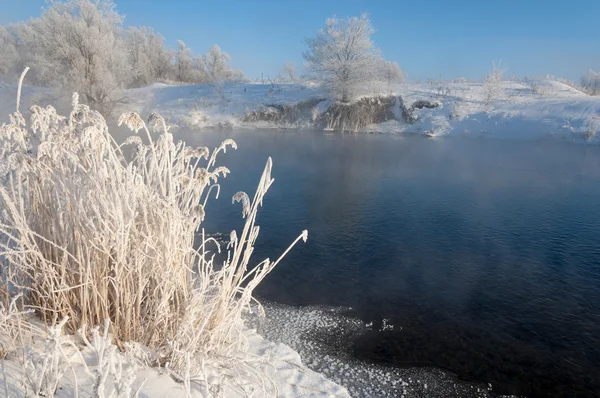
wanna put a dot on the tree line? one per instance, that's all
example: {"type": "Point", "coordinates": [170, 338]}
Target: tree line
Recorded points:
{"type": "Point", "coordinates": [82, 46]}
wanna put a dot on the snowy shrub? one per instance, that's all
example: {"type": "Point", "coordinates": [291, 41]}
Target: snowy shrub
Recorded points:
{"type": "Point", "coordinates": [492, 85]}
{"type": "Point", "coordinates": [591, 127]}
{"type": "Point", "coordinates": [81, 46]}
{"type": "Point", "coordinates": [90, 233]}
{"type": "Point", "coordinates": [591, 83]}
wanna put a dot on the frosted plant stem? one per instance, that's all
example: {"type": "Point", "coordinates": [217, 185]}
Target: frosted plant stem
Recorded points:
{"type": "Point", "coordinates": [20, 85]}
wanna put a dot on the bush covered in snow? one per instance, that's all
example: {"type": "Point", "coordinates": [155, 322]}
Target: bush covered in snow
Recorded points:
{"type": "Point", "coordinates": [591, 83]}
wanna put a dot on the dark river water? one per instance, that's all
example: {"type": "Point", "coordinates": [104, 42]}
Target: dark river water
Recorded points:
{"type": "Point", "coordinates": [484, 254]}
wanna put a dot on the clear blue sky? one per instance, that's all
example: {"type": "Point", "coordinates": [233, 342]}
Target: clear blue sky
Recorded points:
{"type": "Point", "coordinates": [428, 38]}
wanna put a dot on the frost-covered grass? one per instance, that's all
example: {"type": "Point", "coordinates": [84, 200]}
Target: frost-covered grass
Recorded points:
{"type": "Point", "coordinates": [90, 235]}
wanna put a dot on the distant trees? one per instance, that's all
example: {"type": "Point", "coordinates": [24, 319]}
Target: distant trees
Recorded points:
{"type": "Point", "coordinates": [289, 72]}
{"type": "Point", "coordinates": [149, 59]}
{"type": "Point", "coordinates": [80, 45]}
{"type": "Point", "coordinates": [212, 67]}
{"type": "Point", "coordinates": [390, 73]}
{"type": "Point", "coordinates": [591, 83]}
{"type": "Point", "coordinates": [8, 51]}
{"type": "Point", "coordinates": [183, 63]}
{"type": "Point", "coordinates": [343, 57]}
{"type": "Point", "coordinates": [217, 64]}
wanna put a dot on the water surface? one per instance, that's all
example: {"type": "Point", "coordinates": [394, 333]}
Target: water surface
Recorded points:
{"type": "Point", "coordinates": [484, 254]}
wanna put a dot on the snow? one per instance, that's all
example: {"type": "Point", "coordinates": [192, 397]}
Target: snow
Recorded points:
{"type": "Point", "coordinates": [282, 366]}
{"type": "Point", "coordinates": [523, 111]}
{"type": "Point", "coordinates": [210, 105]}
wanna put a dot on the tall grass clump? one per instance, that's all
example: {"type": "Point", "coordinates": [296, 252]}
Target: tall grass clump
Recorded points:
{"type": "Point", "coordinates": [90, 231]}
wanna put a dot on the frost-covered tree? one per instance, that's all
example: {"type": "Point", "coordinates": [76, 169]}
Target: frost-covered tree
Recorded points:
{"type": "Point", "coordinates": [238, 75]}
{"type": "Point", "coordinates": [18, 49]}
{"type": "Point", "coordinates": [183, 62]}
{"type": "Point", "coordinates": [148, 57]}
{"type": "Point", "coordinates": [591, 83]}
{"type": "Point", "coordinates": [390, 73]}
{"type": "Point", "coordinates": [492, 84]}
{"type": "Point", "coordinates": [217, 64]}
{"type": "Point", "coordinates": [8, 52]}
{"type": "Point", "coordinates": [289, 71]}
{"type": "Point", "coordinates": [82, 49]}
{"type": "Point", "coordinates": [80, 45]}
{"type": "Point", "coordinates": [343, 55]}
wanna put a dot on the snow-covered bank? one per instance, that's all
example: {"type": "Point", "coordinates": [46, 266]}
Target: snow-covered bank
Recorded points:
{"type": "Point", "coordinates": [283, 372]}
{"type": "Point", "coordinates": [521, 110]}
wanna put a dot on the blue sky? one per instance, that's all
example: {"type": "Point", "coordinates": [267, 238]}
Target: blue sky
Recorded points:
{"type": "Point", "coordinates": [428, 39]}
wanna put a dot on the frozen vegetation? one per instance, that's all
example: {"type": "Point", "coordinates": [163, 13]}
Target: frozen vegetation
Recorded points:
{"type": "Point", "coordinates": [91, 236]}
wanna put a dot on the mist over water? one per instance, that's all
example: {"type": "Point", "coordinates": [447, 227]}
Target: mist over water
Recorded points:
{"type": "Point", "coordinates": [484, 254]}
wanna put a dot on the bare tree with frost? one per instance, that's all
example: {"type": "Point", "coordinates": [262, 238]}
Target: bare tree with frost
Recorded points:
{"type": "Point", "coordinates": [8, 52]}
{"type": "Point", "coordinates": [217, 64]}
{"type": "Point", "coordinates": [342, 55]}
{"type": "Point", "coordinates": [183, 62]}
{"type": "Point", "coordinates": [591, 83]}
{"type": "Point", "coordinates": [82, 49]}
{"type": "Point", "coordinates": [289, 72]}
{"type": "Point", "coordinates": [148, 57]}
{"type": "Point", "coordinates": [391, 73]}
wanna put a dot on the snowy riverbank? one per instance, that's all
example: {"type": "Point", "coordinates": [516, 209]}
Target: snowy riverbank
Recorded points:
{"type": "Point", "coordinates": [284, 374]}
{"type": "Point", "coordinates": [521, 110]}
{"type": "Point", "coordinates": [304, 356]}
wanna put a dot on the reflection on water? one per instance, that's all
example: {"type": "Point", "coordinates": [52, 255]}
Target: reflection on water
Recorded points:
{"type": "Point", "coordinates": [484, 253]}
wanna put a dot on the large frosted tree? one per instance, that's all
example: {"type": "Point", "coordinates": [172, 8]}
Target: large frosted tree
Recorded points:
{"type": "Point", "coordinates": [342, 55]}
{"type": "Point", "coordinates": [82, 49]}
